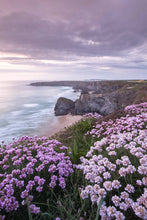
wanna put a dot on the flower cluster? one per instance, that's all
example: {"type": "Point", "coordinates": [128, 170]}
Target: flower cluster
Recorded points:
{"type": "Point", "coordinates": [116, 166]}
{"type": "Point", "coordinates": [127, 123]}
{"type": "Point", "coordinates": [136, 109]}
{"type": "Point", "coordinates": [92, 115]}
{"type": "Point", "coordinates": [31, 165]}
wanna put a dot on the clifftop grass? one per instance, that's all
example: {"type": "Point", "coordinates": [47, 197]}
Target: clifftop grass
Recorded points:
{"type": "Point", "coordinates": [74, 136]}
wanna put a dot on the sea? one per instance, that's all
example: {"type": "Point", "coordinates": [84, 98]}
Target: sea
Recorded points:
{"type": "Point", "coordinates": [29, 110]}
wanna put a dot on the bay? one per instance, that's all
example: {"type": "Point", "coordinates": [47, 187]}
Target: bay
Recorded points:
{"type": "Point", "coordinates": [29, 110]}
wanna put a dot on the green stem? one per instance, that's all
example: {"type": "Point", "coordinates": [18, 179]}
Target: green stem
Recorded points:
{"type": "Point", "coordinates": [98, 209]}
{"type": "Point", "coordinates": [29, 212]}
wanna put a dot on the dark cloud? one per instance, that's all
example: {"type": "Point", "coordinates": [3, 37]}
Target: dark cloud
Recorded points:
{"type": "Point", "coordinates": [63, 30]}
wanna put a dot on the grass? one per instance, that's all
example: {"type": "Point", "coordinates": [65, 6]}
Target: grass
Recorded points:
{"type": "Point", "coordinates": [74, 138]}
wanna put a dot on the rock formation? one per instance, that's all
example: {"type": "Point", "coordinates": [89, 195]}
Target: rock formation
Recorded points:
{"type": "Point", "coordinates": [103, 104]}
{"type": "Point", "coordinates": [103, 97]}
{"type": "Point", "coordinates": [64, 106]}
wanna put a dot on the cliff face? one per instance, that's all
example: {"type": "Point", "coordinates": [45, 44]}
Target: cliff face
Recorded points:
{"type": "Point", "coordinates": [98, 86]}
{"type": "Point", "coordinates": [103, 104]}
{"type": "Point", "coordinates": [103, 97]}
{"type": "Point", "coordinates": [112, 97]}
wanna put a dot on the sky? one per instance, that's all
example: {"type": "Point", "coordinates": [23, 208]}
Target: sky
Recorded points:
{"type": "Point", "coordinates": [73, 39]}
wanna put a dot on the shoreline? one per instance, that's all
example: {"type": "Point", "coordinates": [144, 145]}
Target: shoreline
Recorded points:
{"type": "Point", "coordinates": [62, 122]}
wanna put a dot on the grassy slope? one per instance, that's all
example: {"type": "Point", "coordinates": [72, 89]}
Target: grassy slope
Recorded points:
{"type": "Point", "coordinates": [74, 136]}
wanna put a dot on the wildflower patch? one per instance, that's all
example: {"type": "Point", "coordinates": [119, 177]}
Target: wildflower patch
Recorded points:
{"type": "Point", "coordinates": [116, 166]}
{"type": "Point", "coordinates": [30, 166]}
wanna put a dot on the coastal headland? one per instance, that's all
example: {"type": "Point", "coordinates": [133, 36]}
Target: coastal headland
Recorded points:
{"type": "Point", "coordinates": [103, 97]}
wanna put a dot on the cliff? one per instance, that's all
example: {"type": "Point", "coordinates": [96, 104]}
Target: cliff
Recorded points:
{"type": "Point", "coordinates": [98, 86]}
{"type": "Point", "coordinates": [107, 98]}
{"type": "Point", "coordinates": [103, 97]}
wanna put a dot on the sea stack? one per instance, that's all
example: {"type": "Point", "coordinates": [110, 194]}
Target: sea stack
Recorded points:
{"type": "Point", "coordinates": [64, 106]}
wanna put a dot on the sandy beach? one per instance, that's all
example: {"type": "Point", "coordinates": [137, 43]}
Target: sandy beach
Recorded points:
{"type": "Point", "coordinates": [63, 122]}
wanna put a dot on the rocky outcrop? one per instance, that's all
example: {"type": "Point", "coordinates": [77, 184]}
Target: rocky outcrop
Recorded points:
{"type": "Point", "coordinates": [103, 97]}
{"type": "Point", "coordinates": [64, 106]}
{"type": "Point", "coordinates": [103, 104]}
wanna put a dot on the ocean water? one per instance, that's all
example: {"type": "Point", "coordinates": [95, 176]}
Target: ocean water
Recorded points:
{"type": "Point", "coordinates": [29, 110]}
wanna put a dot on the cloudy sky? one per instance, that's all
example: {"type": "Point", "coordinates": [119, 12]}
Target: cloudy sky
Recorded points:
{"type": "Point", "coordinates": [73, 39]}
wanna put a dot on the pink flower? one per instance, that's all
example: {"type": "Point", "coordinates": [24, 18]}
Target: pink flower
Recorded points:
{"type": "Point", "coordinates": [111, 211]}
{"type": "Point", "coordinates": [122, 171]}
{"type": "Point", "coordinates": [106, 175]}
{"type": "Point", "coordinates": [130, 188]}
{"type": "Point", "coordinates": [84, 194]}
{"type": "Point", "coordinates": [102, 192]}
{"type": "Point", "coordinates": [41, 181]}
{"type": "Point", "coordinates": [144, 181]}
{"type": "Point", "coordinates": [139, 182]}
{"type": "Point", "coordinates": [118, 162]}
{"type": "Point", "coordinates": [116, 184]}
{"type": "Point", "coordinates": [116, 200]}
{"type": "Point", "coordinates": [108, 185]}
{"type": "Point", "coordinates": [124, 195]}
{"type": "Point", "coordinates": [119, 215]}
{"type": "Point", "coordinates": [96, 188]}
{"type": "Point", "coordinates": [112, 153]}
{"type": "Point", "coordinates": [39, 188]}
{"type": "Point", "coordinates": [34, 209]}
{"type": "Point", "coordinates": [123, 206]}
{"type": "Point", "coordinates": [24, 194]}
{"type": "Point", "coordinates": [52, 168]}
{"type": "Point", "coordinates": [52, 184]}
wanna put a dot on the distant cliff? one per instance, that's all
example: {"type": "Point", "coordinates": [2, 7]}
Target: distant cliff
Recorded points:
{"type": "Point", "coordinates": [103, 97]}
{"type": "Point", "coordinates": [98, 86]}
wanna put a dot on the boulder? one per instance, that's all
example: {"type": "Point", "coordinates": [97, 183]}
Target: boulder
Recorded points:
{"type": "Point", "coordinates": [64, 106]}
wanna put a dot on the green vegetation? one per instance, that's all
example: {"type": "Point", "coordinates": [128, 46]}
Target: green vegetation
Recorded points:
{"type": "Point", "coordinates": [74, 138]}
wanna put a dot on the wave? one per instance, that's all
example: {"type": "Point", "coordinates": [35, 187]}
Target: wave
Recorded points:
{"type": "Point", "coordinates": [30, 105]}
{"type": "Point", "coordinates": [30, 111]}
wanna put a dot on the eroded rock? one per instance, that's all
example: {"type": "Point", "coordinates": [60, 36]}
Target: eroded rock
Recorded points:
{"type": "Point", "coordinates": [64, 106]}
{"type": "Point", "coordinates": [95, 103]}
